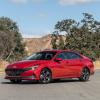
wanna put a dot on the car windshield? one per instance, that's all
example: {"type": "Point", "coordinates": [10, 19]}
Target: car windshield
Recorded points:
{"type": "Point", "coordinates": [47, 55]}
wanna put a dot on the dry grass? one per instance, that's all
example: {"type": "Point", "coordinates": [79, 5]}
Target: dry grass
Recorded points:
{"type": "Point", "coordinates": [97, 64]}
{"type": "Point", "coordinates": [3, 64]}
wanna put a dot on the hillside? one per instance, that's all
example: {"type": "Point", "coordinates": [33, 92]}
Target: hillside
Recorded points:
{"type": "Point", "coordinates": [37, 44]}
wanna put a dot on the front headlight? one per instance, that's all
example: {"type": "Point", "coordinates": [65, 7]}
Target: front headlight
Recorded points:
{"type": "Point", "coordinates": [34, 67]}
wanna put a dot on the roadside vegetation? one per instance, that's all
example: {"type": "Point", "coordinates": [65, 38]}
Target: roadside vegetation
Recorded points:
{"type": "Point", "coordinates": [11, 46]}
{"type": "Point", "coordinates": [82, 36]}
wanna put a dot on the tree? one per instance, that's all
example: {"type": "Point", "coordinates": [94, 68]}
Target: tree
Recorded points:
{"type": "Point", "coordinates": [83, 36]}
{"type": "Point", "coordinates": [6, 43]}
{"type": "Point", "coordinates": [54, 37]}
{"type": "Point", "coordinates": [11, 46]}
{"type": "Point", "coordinates": [61, 42]}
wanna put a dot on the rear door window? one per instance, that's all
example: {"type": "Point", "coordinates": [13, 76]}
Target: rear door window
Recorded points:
{"type": "Point", "coordinates": [72, 55]}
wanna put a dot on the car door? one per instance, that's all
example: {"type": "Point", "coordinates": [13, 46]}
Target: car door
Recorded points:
{"type": "Point", "coordinates": [59, 67]}
{"type": "Point", "coordinates": [73, 64]}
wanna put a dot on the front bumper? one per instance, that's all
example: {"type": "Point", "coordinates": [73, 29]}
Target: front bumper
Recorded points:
{"type": "Point", "coordinates": [21, 77]}
{"type": "Point", "coordinates": [26, 75]}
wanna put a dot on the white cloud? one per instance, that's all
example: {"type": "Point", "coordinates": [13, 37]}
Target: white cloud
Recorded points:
{"type": "Point", "coordinates": [42, 15]}
{"type": "Point", "coordinates": [25, 1]}
{"type": "Point", "coordinates": [35, 35]}
{"type": "Point", "coordinates": [18, 1]}
{"type": "Point", "coordinates": [73, 2]}
{"type": "Point", "coordinates": [30, 36]}
{"type": "Point", "coordinates": [37, 1]}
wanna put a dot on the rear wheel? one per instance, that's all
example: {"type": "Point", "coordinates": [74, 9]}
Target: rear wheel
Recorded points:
{"type": "Point", "coordinates": [15, 81]}
{"type": "Point", "coordinates": [85, 74]}
{"type": "Point", "coordinates": [45, 76]}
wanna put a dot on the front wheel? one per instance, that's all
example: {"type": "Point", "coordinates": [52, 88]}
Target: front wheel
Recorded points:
{"type": "Point", "coordinates": [45, 76]}
{"type": "Point", "coordinates": [85, 74]}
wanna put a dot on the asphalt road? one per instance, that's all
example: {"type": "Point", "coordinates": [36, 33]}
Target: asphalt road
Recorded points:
{"type": "Point", "coordinates": [62, 90]}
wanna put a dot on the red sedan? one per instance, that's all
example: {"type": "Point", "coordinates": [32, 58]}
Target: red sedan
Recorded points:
{"type": "Point", "coordinates": [48, 65]}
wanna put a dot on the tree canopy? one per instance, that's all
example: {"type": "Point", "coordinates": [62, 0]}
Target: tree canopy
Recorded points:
{"type": "Point", "coordinates": [82, 37]}
{"type": "Point", "coordinates": [11, 46]}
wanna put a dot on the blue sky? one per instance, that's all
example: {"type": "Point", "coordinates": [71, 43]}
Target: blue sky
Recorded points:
{"type": "Point", "coordinates": [36, 18]}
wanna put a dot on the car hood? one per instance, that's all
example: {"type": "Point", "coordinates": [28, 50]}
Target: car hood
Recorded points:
{"type": "Point", "coordinates": [27, 63]}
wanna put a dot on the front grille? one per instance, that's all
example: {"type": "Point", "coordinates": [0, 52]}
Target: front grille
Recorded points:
{"type": "Point", "coordinates": [14, 72]}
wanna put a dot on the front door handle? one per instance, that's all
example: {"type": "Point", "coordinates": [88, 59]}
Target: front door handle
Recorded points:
{"type": "Point", "coordinates": [67, 62]}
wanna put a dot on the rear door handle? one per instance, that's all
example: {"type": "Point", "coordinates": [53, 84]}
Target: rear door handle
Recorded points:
{"type": "Point", "coordinates": [80, 60]}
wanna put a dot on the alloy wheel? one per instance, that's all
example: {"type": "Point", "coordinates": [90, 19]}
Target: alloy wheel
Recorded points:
{"type": "Point", "coordinates": [85, 74]}
{"type": "Point", "coordinates": [45, 76]}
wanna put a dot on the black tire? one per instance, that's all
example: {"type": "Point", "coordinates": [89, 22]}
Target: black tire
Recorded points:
{"type": "Point", "coordinates": [85, 75]}
{"type": "Point", "coordinates": [15, 81]}
{"type": "Point", "coordinates": [56, 80]}
{"type": "Point", "coordinates": [45, 76]}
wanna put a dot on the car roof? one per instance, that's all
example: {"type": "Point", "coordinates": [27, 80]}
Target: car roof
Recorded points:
{"type": "Point", "coordinates": [55, 50]}
{"type": "Point", "coordinates": [58, 51]}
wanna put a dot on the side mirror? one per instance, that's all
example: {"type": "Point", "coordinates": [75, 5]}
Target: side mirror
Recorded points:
{"type": "Point", "coordinates": [58, 59]}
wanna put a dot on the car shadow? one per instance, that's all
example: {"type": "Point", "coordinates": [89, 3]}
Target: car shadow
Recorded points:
{"type": "Point", "coordinates": [65, 81]}
{"type": "Point", "coordinates": [24, 82]}
{"type": "Point", "coordinates": [36, 82]}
